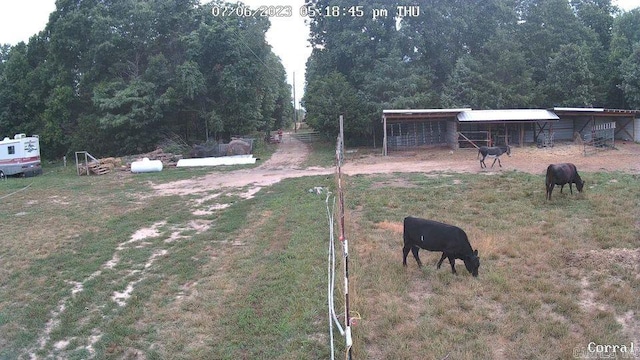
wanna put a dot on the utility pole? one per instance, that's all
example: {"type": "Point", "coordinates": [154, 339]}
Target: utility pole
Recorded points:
{"type": "Point", "coordinates": [295, 112]}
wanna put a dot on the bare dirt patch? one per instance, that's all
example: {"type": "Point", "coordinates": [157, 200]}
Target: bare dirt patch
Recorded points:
{"type": "Point", "coordinates": [526, 159]}
{"type": "Point", "coordinates": [393, 226]}
{"type": "Point", "coordinates": [626, 258]}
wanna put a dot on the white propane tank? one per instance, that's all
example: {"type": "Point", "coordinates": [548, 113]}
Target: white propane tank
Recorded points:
{"type": "Point", "coordinates": [146, 165]}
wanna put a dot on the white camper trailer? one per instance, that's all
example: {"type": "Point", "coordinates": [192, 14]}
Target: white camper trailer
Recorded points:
{"type": "Point", "coordinates": [20, 155]}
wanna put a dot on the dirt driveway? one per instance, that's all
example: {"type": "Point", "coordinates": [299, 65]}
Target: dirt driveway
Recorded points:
{"type": "Point", "coordinates": [287, 162]}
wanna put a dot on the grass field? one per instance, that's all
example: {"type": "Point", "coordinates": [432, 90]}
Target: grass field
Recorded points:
{"type": "Point", "coordinates": [103, 267]}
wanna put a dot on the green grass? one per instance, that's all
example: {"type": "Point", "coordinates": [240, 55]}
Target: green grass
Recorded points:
{"type": "Point", "coordinates": [554, 275]}
{"type": "Point", "coordinates": [322, 154]}
{"type": "Point", "coordinates": [528, 293]}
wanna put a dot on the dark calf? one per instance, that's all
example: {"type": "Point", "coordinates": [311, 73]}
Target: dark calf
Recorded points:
{"type": "Point", "coordinates": [562, 174]}
{"type": "Point", "coordinates": [435, 236]}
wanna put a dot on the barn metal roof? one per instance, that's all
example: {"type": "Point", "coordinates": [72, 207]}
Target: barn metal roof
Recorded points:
{"type": "Point", "coordinates": [570, 109]}
{"type": "Point", "coordinates": [512, 115]}
{"type": "Point", "coordinates": [567, 111]}
{"type": "Point", "coordinates": [396, 115]}
{"type": "Point", "coordinates": [422, 111]}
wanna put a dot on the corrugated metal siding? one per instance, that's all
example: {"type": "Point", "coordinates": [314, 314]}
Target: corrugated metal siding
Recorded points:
{"type": "Point", "coordinates": [624, 129]}
{"type": "Point", "coordinates": [583, 125]}
{"type": "Point", "coordinates": [414, 134]}
{"type": "Point", "coordinates": [636, 130]}
{"type": "Point", "coordinates": [528, 136]}
{"type": "Point", "coordinates": [563, 130]}
{"type": "Point", "coordinates": [452, 134]}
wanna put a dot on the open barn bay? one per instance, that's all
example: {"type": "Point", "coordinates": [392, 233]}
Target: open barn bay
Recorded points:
{"type": "Point", "coordinates": [109, 267]}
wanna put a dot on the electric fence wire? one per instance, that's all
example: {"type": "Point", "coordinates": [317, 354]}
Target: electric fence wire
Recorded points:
{"type": "Point", "coordinates": [15, 192]}
{"type": "Point", "coordinates": [331, 273]}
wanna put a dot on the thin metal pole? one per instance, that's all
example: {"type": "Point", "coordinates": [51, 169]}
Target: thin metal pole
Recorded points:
{"type": "Point", "coordinates": [295, 112]}
{"type": "Point", "coordinates": [345, 243]}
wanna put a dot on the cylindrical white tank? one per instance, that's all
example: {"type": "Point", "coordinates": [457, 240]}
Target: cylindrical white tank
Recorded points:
{"type": "Point", "coordinates": [146, 165]}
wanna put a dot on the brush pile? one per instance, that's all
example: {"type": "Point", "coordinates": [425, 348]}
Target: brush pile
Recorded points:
{"type": "Point", "coordinates": [168, 159]}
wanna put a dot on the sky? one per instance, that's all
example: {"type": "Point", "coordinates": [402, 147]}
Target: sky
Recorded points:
{"type": "Point", "coordinates": [20, 19]}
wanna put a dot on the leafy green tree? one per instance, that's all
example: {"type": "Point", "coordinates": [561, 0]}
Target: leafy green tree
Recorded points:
{"type": "Point", "coordinates": [498, 77]}
{"type": "Point", "coordinates": [57, 119]}
{"type": "Point", "coordinates": [447, 30]}
{"type": "Point", "coordinates": [598, 15]}
{"type": "Point", "coordinates": [625, 34]}
{"type": "Point", "coordinates": [545, 26]}
{"type": "Point", "coordinates": [630, 71]}
{"type": "Point", "coordinates": [353, 58]}
{"type": "Point", "coordinates": [18, 105]}
{"type": "Point", "coordinates": [569, 80]}
{"type": "Point", "coordinates": [333, 96]}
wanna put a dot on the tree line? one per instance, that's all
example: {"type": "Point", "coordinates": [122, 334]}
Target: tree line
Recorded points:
{"type": "Point", "coordinates": [116, 77]}
{"type": "Point", "coordinates": [490, 54]}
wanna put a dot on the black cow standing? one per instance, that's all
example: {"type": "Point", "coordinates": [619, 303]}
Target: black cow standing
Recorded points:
{"type": "Point", "coordinates": [493, 152]}
{"type": "Point", "coordinates": [435, 236]}
{"type": "Point", "coordinates": [562, 174]}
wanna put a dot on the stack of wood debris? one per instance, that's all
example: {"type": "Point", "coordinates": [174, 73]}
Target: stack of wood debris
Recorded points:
{"type": "Point", "coordinates": [106, 165]}
{"type": "Point", "coordinates": [99, 166]}
{"type": "Point", "coordinates": [168, 159]}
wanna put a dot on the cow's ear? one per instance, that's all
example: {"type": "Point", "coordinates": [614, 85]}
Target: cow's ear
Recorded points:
{"type": "Point", "coordinates": [475, 252]}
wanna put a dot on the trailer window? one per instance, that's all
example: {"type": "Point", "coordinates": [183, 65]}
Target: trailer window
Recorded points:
{"type": "Point", "coordinates": [12, 150]}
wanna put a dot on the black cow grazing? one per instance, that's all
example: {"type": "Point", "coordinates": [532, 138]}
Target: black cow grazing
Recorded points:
{"type": "Point", "coordinates": [435, 236]}
{"type": "Point", "coordinates": [562, 174]}
{"type": "Point", "coordinates": [493, 152]}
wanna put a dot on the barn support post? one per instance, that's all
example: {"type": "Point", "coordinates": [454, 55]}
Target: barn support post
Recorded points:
{"type": "Point", "coordinates": [384, 135]}
{"type": "Point", "coordinates": [506, 134]}
{"type": "Point", "coordinates": [490, 138]}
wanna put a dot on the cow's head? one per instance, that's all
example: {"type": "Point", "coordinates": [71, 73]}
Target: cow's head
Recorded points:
{"type": "Point", "coordinates": [579, 184]}
{"type": "Point", "coordinates": [472, 263]}
{"type": "Point", "coordinates": [508, 150]}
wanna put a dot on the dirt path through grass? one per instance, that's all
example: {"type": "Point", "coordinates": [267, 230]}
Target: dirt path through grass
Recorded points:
{"type": "Point", "coordinates": [284, 163]}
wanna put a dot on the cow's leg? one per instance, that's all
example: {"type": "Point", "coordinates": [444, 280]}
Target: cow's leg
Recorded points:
{"type": "Point", "coordinates": [415, 250]}
{"type": "Point", "coordinates": [561, 187]}
{"type": "Point", "coordinates": [441, 260]}
{"type": "Point", "coordinates": [405, 252]}
{"type": "Point", "coordinates": [482, 164]}
{"type": "Point", "coordinates": [452, 261]}
{"type": "Point", "coordinates": [571, 188]}
{"type": "Point", "coordinates": [550, 189]}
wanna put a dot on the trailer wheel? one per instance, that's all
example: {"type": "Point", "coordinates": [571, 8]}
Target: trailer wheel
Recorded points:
{"type": "Point", "coordinates": [2, 176]}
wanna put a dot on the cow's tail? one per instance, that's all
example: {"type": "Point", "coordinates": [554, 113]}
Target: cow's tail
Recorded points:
{"type": "Point", "coordinates": [404, 230]}
{"type": "Point", "coordinates": [548, 180]}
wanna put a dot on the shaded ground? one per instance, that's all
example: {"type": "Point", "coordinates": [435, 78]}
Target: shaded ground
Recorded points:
{"type": "Point", "coordinates": [286, 163]}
